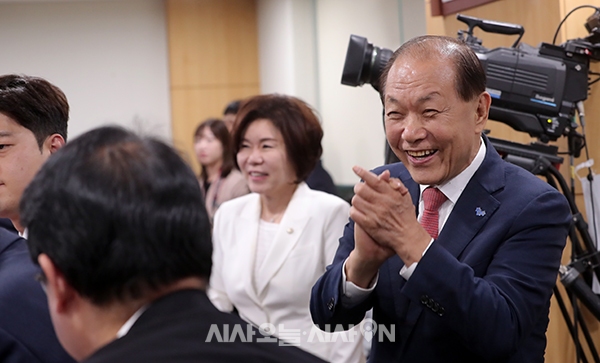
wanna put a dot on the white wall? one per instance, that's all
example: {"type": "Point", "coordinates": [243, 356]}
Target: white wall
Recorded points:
{"type": "Point", "coordinates": [287, 48]}
{"type": "Point", "coordinates": [352, 115]}
{"type": "Point", "coordinates": [302, 45]}
{"type": "Point", "coordinates": [109, 57]}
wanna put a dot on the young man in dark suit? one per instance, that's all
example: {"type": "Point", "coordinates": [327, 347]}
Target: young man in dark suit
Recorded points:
{"type": "Point", "coordinates": [33, 125]}
{"type": "Point", "coordinates": [468, 279]}
{"type": "Point", "coordinates": [119, 228]}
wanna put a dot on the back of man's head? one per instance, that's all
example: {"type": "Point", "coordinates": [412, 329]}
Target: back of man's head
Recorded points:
{"type": "Point", "coordinates": [35, 104]}
{"type": "Point", "coordinates": [232, 107]}
{"type": "Point", "coordinates": [230, 112]}
{"type": "Point", "coordinates": [121, 216]}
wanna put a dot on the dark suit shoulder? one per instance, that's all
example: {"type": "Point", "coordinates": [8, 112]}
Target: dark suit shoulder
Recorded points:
{"type": "Point", "coordinates": [9, 240]}
{"type": "Point", "coordinates": [320, 179]}
{"type": "Point", "coordinates": [185, 327]}
{"type": "Point", "coordinates": [8, 225]}
{"type": "Point", "coordinates": [397, 170]}
{"type": "Point", "coordinates": [26, 332]}
{"type": "Point", "coordinates": [17, 271]}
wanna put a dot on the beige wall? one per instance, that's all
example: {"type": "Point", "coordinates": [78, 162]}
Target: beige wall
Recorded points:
{"type": "Point", "coordinates": [540, 19]}
{"type": "Point", "coordinates": [213, 55]}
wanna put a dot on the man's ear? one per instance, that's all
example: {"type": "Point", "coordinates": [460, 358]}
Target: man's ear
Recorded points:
{"type": "Point", "coordinates": [61, 295]}
{"type": "Point", "coordinates": [484, 100]}
{"type": "Point", "coordinates": [54, 142]}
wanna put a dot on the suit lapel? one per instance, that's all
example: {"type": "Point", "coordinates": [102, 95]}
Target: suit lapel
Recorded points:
{"type": "Point", "coordinates": [476, 204]}
{"type": "Point", "coordinates": [288, 234]}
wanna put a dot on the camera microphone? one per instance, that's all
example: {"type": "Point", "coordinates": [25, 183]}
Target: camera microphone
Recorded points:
{"type": "Point", "coordinates": [580, 108]}
{"type": "Point", "coordinates": [571, 280]}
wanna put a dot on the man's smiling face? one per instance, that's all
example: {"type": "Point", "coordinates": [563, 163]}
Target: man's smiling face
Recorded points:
{"type": "Point", "coordinates": [429, 127]}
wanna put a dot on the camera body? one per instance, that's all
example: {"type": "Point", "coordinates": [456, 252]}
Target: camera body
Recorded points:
{"type": "Point", "coordinates": [534, 90]}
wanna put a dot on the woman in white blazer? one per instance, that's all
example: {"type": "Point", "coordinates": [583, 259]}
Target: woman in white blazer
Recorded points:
{"type": "Point", "coordinates": [272, 245]}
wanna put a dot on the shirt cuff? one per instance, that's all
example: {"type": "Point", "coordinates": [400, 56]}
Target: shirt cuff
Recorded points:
{"type": "Point", "coordinates": [352, 294]}
{"type": "Point", "coordinates": [406, 272]}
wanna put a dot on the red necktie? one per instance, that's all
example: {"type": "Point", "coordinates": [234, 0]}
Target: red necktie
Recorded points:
{"type": "Point", "coordinates": [433, 199]}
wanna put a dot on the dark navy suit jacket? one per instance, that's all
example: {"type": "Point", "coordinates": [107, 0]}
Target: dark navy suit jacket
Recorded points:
{"type": "Point", "coordinates": [26, 332]}
{"type": "Point", "coordinates": [319, 179]}
{"type": "Point", "coordinates": [177, 328]}
{"type": "Point", "coordinates": [482, 291]}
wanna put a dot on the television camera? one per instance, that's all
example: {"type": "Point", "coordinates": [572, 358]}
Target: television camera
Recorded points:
{"type": "Point", "coordinates": [534, 90]}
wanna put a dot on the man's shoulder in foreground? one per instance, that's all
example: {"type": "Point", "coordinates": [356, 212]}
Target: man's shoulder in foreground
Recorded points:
{"type": "Point", "coordinates": [26, 332]}
{"type": "Point", "coordinates": [185, 327]}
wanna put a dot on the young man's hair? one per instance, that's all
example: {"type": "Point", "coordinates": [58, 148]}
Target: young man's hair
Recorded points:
{"type": "Point", "coordinates": [35, 104]}
{"type": "Point", "coordinates": [119, 215]}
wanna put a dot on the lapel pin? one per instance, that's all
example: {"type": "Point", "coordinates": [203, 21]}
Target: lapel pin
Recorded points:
{"type": "Point", "coordinates": [479, 212]}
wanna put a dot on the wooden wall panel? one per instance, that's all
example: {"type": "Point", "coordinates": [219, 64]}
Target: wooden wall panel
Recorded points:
{"type": "Point", "coordinates": [540, 19]}
{"type": "Point", "coordinates": [212, 42]}
{"type": "Point", "coordinates": [213, 56]}
{"type": "Point", "coordinates": [192, 106]}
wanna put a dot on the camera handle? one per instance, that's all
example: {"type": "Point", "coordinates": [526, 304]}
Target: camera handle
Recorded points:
{"type": "Point", "coordinates": [491, 26]}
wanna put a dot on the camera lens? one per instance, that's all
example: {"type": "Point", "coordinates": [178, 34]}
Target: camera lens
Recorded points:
{"type": "Point", "coordinates": [364, 63]}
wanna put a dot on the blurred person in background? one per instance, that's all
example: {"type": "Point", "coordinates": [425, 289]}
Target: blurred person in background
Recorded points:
{"type": "Point", "coordinates": [220, 181]}
{"type": "Point", "coordinates": [271, 246]}
{"type": "Point", "coordinates": [320, 179]}
{"type": "Point", "coordinates": [229, 114]}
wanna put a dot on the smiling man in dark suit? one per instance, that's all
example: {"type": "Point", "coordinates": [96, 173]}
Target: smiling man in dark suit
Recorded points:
{"type": "Point", "coordinates": [466, 280]}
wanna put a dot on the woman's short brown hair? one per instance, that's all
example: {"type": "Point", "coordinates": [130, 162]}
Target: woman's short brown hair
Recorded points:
{"type": "Point", "coordinates": [294, 119]}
